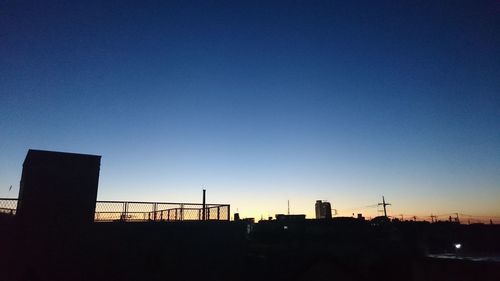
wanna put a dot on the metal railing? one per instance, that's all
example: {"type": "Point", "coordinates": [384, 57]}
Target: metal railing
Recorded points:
{"type": "Point", "coordinates": [109, 211]}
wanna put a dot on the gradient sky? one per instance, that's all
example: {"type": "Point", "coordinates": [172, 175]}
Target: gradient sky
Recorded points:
{"type": "Point", "coordinates": [260, 101]}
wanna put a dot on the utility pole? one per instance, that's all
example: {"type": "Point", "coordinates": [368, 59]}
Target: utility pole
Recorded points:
{"type": "Point", "coordinates": [384, 204]}
{"type": "Point", "coordinates": [433, 217]}
{"type": "Point", "coordinates": [288, 207]}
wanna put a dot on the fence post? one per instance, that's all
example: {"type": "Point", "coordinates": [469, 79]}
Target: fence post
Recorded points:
{"type": "Point", "coordinates": [182, 212]}
{"type": "Point", "coordinates": [154, 211]}
{"type": "Point", "coordinates": [228, 212]}
{"type": "Point", "coordinates": [125, 211]}
{"type": "Point", "coordinates": [204, 215]}
{"type": "Point", "coordinates": [218, 212]}
{"type": "Point", "coordinates": [168, 215]}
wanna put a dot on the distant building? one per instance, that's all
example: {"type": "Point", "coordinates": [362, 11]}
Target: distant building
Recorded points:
{"type": "Point", "coordinates": [249, 220]}
{"type": "Point", "coordinates": [282, 217]}
{"type": "Point", "coordinates": [323, 210]}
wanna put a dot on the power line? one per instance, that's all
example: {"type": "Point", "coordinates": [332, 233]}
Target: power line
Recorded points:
{"type": "Point", "coordinates": [362, 207]}
{"type": "Point", "coordinates": [479, 216]}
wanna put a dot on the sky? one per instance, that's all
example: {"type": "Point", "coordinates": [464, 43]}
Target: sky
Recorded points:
{"type": "Point", "coordinates": [261, 102]}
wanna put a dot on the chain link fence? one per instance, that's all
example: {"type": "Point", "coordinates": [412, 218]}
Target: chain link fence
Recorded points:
{"type": "Point", "coordinates": [8, 206]}
{"type": "Point", "coordinates": [151, 211]}
{"type": "Point", "coordinates": [109, 211]}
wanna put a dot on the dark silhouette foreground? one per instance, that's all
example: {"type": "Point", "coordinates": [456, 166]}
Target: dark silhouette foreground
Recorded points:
{"type": "Point", "coordinates": [53, 237]}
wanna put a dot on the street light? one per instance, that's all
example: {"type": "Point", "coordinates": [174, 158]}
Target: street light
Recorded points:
{"type": "Point", "coordinates": [457, 248]}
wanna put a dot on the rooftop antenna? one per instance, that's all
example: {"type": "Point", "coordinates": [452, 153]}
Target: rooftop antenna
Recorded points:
{"type": "Point", "coordinates": [384, 204]}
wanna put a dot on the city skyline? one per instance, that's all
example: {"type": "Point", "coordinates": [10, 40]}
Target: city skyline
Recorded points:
{"type": "Point", "coordinates": [261, 103]}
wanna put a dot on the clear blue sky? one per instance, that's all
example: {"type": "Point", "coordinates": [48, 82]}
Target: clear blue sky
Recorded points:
{"type": "Point", "coordinates": [261, 101]}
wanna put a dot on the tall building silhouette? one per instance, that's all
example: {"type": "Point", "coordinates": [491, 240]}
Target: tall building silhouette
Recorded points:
{"type": "Point", "coordinates": [323, 210]}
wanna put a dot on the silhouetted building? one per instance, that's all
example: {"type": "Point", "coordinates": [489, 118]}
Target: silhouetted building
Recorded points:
{"type": "Point", "coordinates": [323, 210]}
{"type": "Point", "coordinates": [282, 217]}
{"type": "Point", "coordinates": [249, 220]}
{"type": "Point", "coordinates": [58, 188]}
{"type": "Point", "coordinates": [380, 220]}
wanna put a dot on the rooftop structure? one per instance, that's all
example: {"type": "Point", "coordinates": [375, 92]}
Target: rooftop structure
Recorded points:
{"type": "Point", "coordinates": [58, 187]}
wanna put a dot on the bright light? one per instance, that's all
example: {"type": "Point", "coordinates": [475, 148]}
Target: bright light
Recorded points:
{"type": "Point", "coordinates": [285, 227]}
{"type": "Point", "coordinates": [457, 246]}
